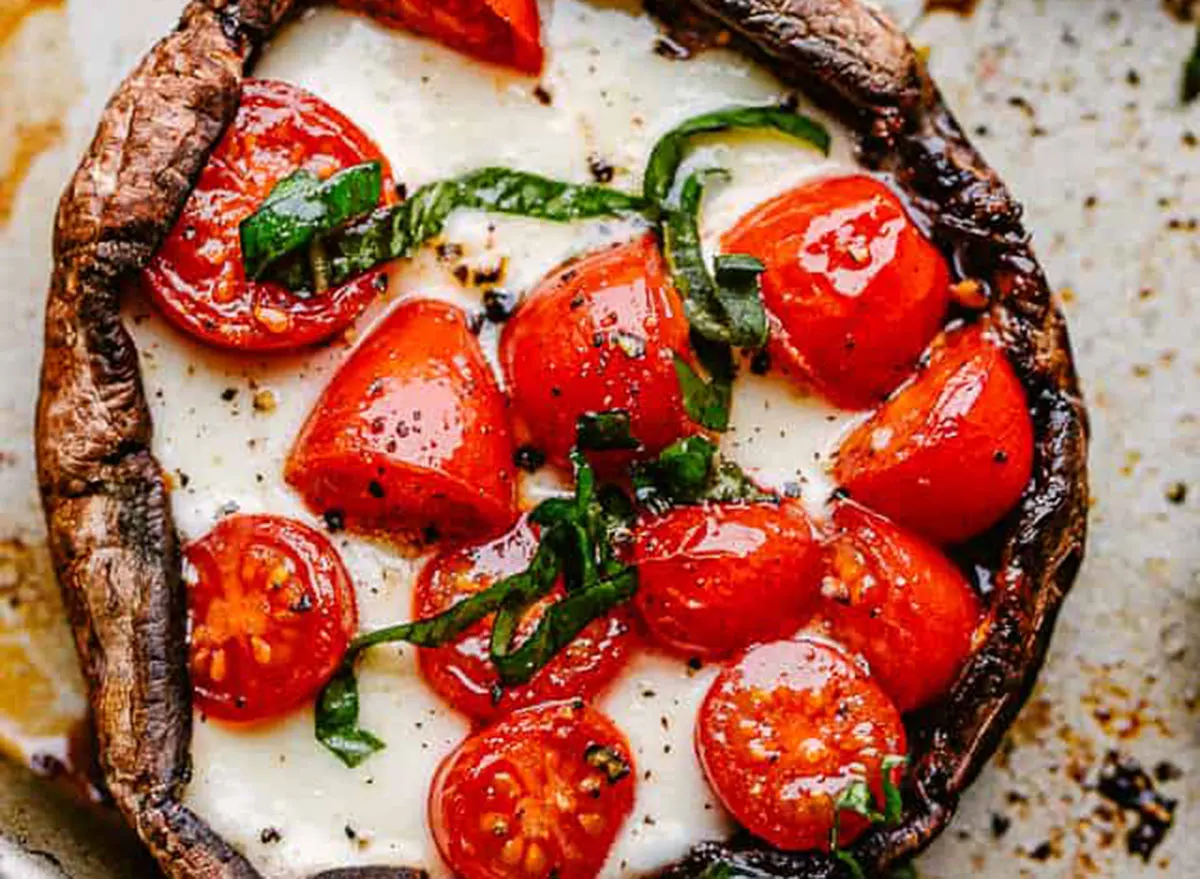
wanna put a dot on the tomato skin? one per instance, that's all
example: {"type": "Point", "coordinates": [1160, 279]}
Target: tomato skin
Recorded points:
{"type": "Point", "coordinates": [462, 672]}
{"type": "Point", "coordinates": [952, 451]}
{"type": "Point", "coordinates": [821, 724]}
{"type": "Point", "coordinates": [713, 579]}
{"type": "Point", "coordinates": [855, 290]}
{"type": "Point", "coordinates": [567, 351]}
{"type": "Point", "coordinates": [412, 433]}
{"type": "Point", "coordinates": [196, 278]}
{"type": "Point", "coordinates": [271, 611]}
{"type": "Point", "coordinates": [899, 602]}
{"type": "Point", "coordinates": [504, 32]}
{"type": "Point", "coordinates": [520, 799]}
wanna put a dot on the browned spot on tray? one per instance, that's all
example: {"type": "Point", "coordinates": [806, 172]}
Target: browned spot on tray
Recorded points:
{"type": "Point", "coordinates": [962, 7]}
{"type": "Point", "coordinates": [1035, 720]}
{"type": "Point", "coordinates": [31, 141]}
{"type": "Point", "coordinates": [1122, 714]}
{"type": "Point", "coordinates": [13, 12]}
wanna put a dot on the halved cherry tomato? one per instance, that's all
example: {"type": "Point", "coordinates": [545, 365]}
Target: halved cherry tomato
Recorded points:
{"type": "Point", "coordinates": [600, 333]}
{"type": "Point", "coordinates": [412, 433]}
{"type": "Point", "coordinates": [196, 279]}
{"type": "Point", "coordinates": [542, 792]}
{"type": "Point", "coordinates": [502, 31]}
{"type": "Point", "coordinates": [856, 292]}
{"type": "Point", "coordinates": [952, 451]}
{"type": "Point", "coordinates": [900, 603]}
{"type": "Point", "coordinates": [462, 672]}
{"type": "Point", "coordinates": [713, 579]}
{"type": "Point", "coordinates": [271, 612]}
{"type": "Point", "coordinates": [788, 728]}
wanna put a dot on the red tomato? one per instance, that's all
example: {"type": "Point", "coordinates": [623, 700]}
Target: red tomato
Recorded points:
{"type": "Point", "coordinates": [952, 451]}
{"type": "Point", "coordinates": [462, 672]}
{"type": "Point", "coordinates": [599, 333]}
{"type": "Point", "coordinates": [196, 279]}
{"type": "Point", "coordinates": [712, 579]}
{"type": "Point", "coordinates": [542, 792]}
{"type": "Point", "coordinates": [412, 433]}
{"type": "Point", "coordinates": [271, 611]}
{"type": "Point", "coordinates": [785, 730]}
{"type": "Point", "coordinates": [900, 603]}
{"type": "Point", "coordinates": [501, 31]}
{"type": "Point", "coordinates": [855, 290]}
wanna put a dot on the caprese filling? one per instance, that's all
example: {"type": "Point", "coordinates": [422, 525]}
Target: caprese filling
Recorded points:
{"type": "Point", "coordinates": [816, 622]}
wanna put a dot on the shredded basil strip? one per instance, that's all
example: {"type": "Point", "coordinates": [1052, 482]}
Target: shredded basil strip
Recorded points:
{"type": "Point", "coordinates": [606, 431]}
{"type": "Point", "coordinates": [301, 207]}
{"type": "Point", "coordinates": [707, 402]}
{"type": "Point", "coordinates": [857, 797]}
{"type": "Point", "coordinates": [669, 152]}
{"type": "Point", "coordinates": [690, 471]}
{"type": "Point", "coordinates": [398, 231]}
{"type": "Point", "coordinates": [337, 719]}
{"type": "Point", "coordinates": [1191, 73]}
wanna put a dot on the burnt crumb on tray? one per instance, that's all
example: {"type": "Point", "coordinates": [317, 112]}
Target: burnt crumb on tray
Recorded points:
{"type": "Point", "coordinates": [1124, 782]}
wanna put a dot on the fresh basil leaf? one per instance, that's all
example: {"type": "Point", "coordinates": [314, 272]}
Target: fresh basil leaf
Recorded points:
{"type": "Point", "coordinates": [669, 152]}
{"type": "Point", "coordinates": [336, 719]}
{"type": "Point", "coordinates": [707, 402]}
{"type": "Point", "coordinates": [301, 208]}
{"type": "Point", "coordinates": [856, 797]}
{"type": "Point", "coordinates": [605, 431]}
{"type": "Point", "coordinates": [851, 862]}
{"type": "Point", "coordinates": [690, 471]}
{"type": "Point", "coordinates": [893, 799]}
{"type": "Point", "coordinates": [398, 231]}
{"type": "Point", "coordinates": [1191, 73]}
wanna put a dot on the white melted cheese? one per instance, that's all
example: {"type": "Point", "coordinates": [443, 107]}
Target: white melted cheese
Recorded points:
{"type": "Point", "coordinates": [436, 113]}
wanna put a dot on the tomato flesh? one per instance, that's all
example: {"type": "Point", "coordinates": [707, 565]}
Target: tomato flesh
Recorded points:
{"type": "Point", "coordinates": [271, 612]}
{"type": "Point", "coordinates": [412, 434]}
{"type": "Point", "coordinates": [899, 602]}
{"type": "Point", "coordinates": [598, 334]}
{"type": "Point", "coordinates": [462, 672]}
{"type": "Point", "coordinates": [501, 31]}
{"type": "Point", "coordinates": [952, 451]}
{"type": "Point", "coordinates": [855, 291]}
{"type": "Point", "coordinates": [196, 278]}
{"type": "Point", "coordinates": [787, 728]}
{"type": "Point", "coordinates": [713, 579]}
{"type": "Point", "coordinates": [542, 792]}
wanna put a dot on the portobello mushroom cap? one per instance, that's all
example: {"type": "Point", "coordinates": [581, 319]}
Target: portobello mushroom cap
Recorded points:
{"type": "Point", "coordinates": [109, 513]}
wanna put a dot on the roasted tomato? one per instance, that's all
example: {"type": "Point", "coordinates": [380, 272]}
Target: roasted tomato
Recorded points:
{"type": "Point", "coordinates": [713, 579]}
{"type": "Point", "coordinates": [504, 32]}
{"type": "Point", "coordinates": [542, 792]}
{"type": "Point", "coordinates": [785, 730]}
{"type": "Point", "coordinates": [952, 451]}
{"type": "Point", "coordinates": [196, 279]}
{"type": "Point", "coordinates": [600, 333]}
{"type": "Point", "coordinates": [462, 672]}
{"type": "Point", "coordinates": [412, 433]}
{"type": "Point", "coordinates": [271, 612]}
{"type": "Point", "coordinates": [900, 603]}
{"type": "Point", "coordinates": [856, 292]}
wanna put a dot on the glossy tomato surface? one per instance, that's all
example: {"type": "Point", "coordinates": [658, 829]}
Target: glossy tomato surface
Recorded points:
{"type": "Point", "coordinates": [598, 334]}
{"type": "Point", "coordinates": [271, 612]}
{"type": "Point", "coordinates": [462, 672]}
{"type": "Point", "coordinates": [855, 290]}
{"type": "Point", "coordinates": [713, 579]}
{"type": "Point", "coordinates": [412, 434]}
{"type": "Point", "coordinates": [196, 279]}
{"type": "Point", "coordinates": [785, 730]}
{"type": "Point", "coordinates": [542, 792]}
{"type": "Point", "coordinates": [504, 32]}
{"type": "Point", "coordinates": [899, 602]}
{"type": "Point", "coordinates": [952, 451]}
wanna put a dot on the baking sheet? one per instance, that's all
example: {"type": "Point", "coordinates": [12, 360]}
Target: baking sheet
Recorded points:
{"type": "Point", "coordinates": [1075, 102]}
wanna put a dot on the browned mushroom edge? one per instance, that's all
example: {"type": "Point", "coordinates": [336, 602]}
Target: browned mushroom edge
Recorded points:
{"type": "Point", "coordinates": [108, 511]}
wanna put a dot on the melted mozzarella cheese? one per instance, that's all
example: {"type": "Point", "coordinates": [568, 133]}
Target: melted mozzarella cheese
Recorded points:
{"type": "Point", "coordinates": [224, 422]}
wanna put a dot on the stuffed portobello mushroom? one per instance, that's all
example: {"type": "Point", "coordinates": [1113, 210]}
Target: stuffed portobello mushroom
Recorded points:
{"type": "Point", "coordinates": [587, 441]}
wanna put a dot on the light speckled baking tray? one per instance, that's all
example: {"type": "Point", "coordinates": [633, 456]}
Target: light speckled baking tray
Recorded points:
{"type": "Point", "coordinates": [1075, 103]}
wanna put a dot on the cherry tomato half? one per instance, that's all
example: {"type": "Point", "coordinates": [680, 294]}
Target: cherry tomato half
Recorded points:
{"type": "Point", "coordinates": [542, 792]}
{"type": "Point", "coordinates": [196, 279]}
{"type": "Point", "coordinates": [952, 451]}
{"type": "Point", "coordinates": [271, 611]}
{"type": "Point", "coordinates": [713, 579]}
{"type": "Point", "coordinates": [788, 728]}
{"type": "Point", "coordinates": [462, 672]}
{"type": "Point", "coordinates": [412, 433]}
{"type": "Point", "coordinates": [501, 31]}
{"type": "Point", "coordinates": [855, 290]}
{"type": "Point", "coordinates": [900, 603]}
